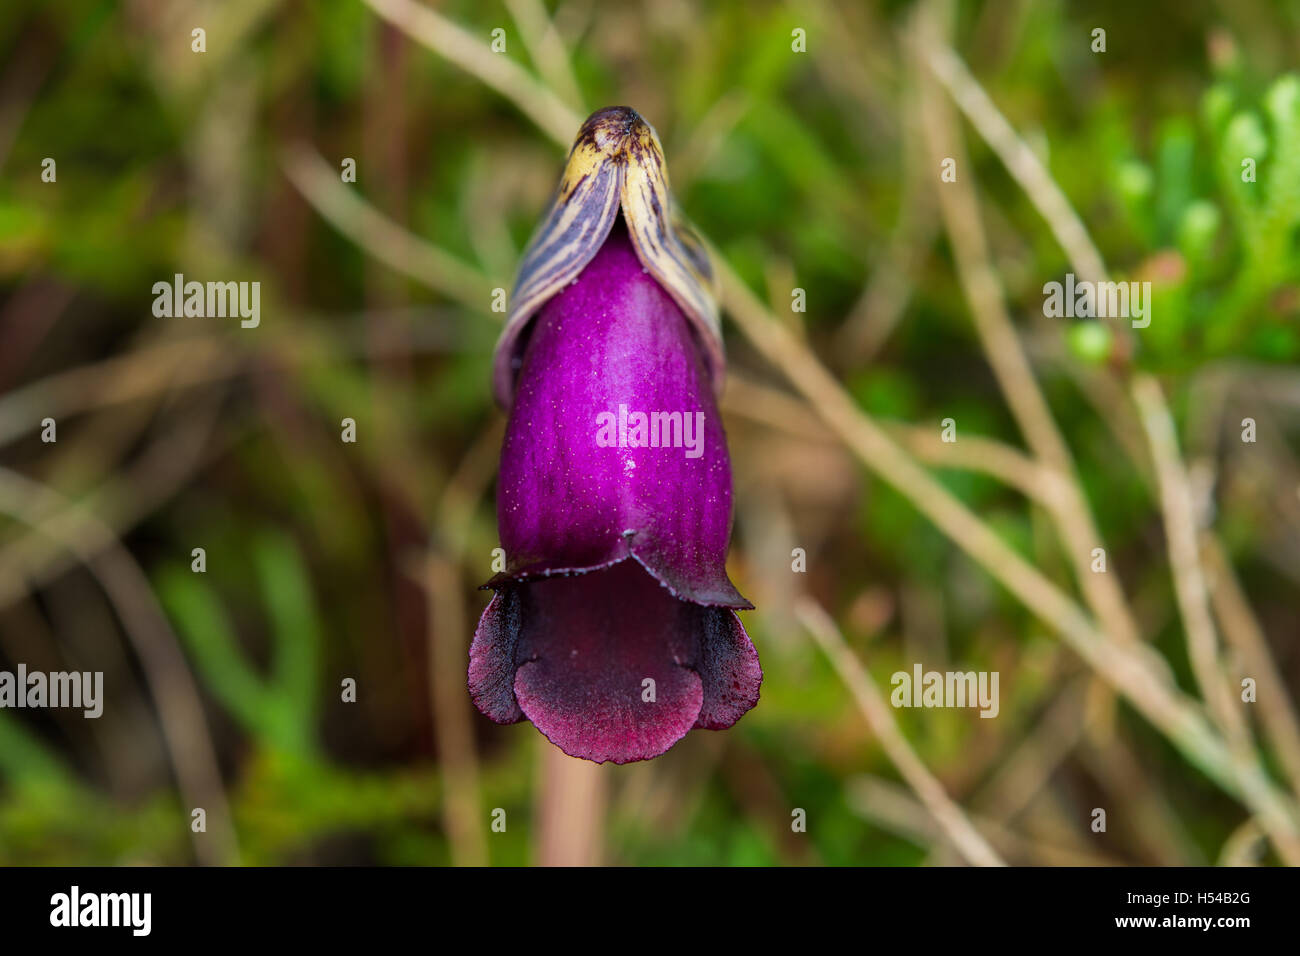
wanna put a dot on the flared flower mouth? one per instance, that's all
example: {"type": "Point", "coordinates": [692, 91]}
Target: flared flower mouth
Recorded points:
{"type": "Point", "coordinates": [609, 665]}
{"type": "Point", "coordinates": [613, 626]}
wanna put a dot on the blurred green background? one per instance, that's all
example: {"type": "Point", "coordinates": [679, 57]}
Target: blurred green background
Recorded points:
{"type": "Point", "coordinates": [805, 169]}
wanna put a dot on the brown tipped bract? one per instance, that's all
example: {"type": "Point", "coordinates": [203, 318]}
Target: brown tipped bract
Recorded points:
{"type": "Point", "coordinates": [616, 163]}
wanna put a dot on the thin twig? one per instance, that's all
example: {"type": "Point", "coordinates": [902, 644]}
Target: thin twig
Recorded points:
{"type": "Point", "coordinates": [546, 47]}
{"type": "Point", "coordinates": [370, 229]}
{"type": "Point", "coordinates": [1189, 582]}
{"type": "Point", "coordinates": [1140, 675]}
{"type": "Point", "coordinates": [1133, 669]}
{"type": "Point", "coordinates": [1243, 631]}
{"type": "Point", "coordinates": [570, 808]}
{"type": "Point", "coordinates": [446, 635]}
{"type": "Point", "coordinates": [1021, 161]}
{"type": "Point", "coordinates": [457, 45]}
{"type": "Point", "coordinates": [889, 805]}
{"type": "Point", "coordinates": [1004, 353]}
{"type": "Point", "coordinates": [116, 504]}
{"type": "Point", "coordinates": [988, 456]}
{"type": "Point", "coordinates": [1277, 815]}
{"type": "Point", "coordinates": [184, 727]}
{"type": "Point", "coordinates": [709, 135]}
{"type": "Point", "coordinates": [123, 378]}
{"type": "Point", "coordinates": [950, 817]}
{"type": "Point", "coordinates": [1026, 772]}
{"type": "Point", "coordinates": [457, 760]}
{"type": "Point", "coordinates": [1243, 847]}
{"type": "Point", "coordinates": [873, 318]}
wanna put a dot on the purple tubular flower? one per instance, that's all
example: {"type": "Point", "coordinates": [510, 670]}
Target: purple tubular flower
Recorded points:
{"type": "Point", "coordinates": [613, 628]}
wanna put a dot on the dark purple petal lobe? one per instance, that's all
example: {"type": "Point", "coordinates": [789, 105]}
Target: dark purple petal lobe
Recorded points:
{"type": "Point", "coordinates": [586, 647]}
{"type": "Point", "coordinates": [728, 667]}
{"type": "Point", "coordinates": [492, 659]}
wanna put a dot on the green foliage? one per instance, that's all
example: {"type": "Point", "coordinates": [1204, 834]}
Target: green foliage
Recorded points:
{"type": "Point", "coordinates": [802, 167]}
{"type": "Point", "coordinates": [278, 710]}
